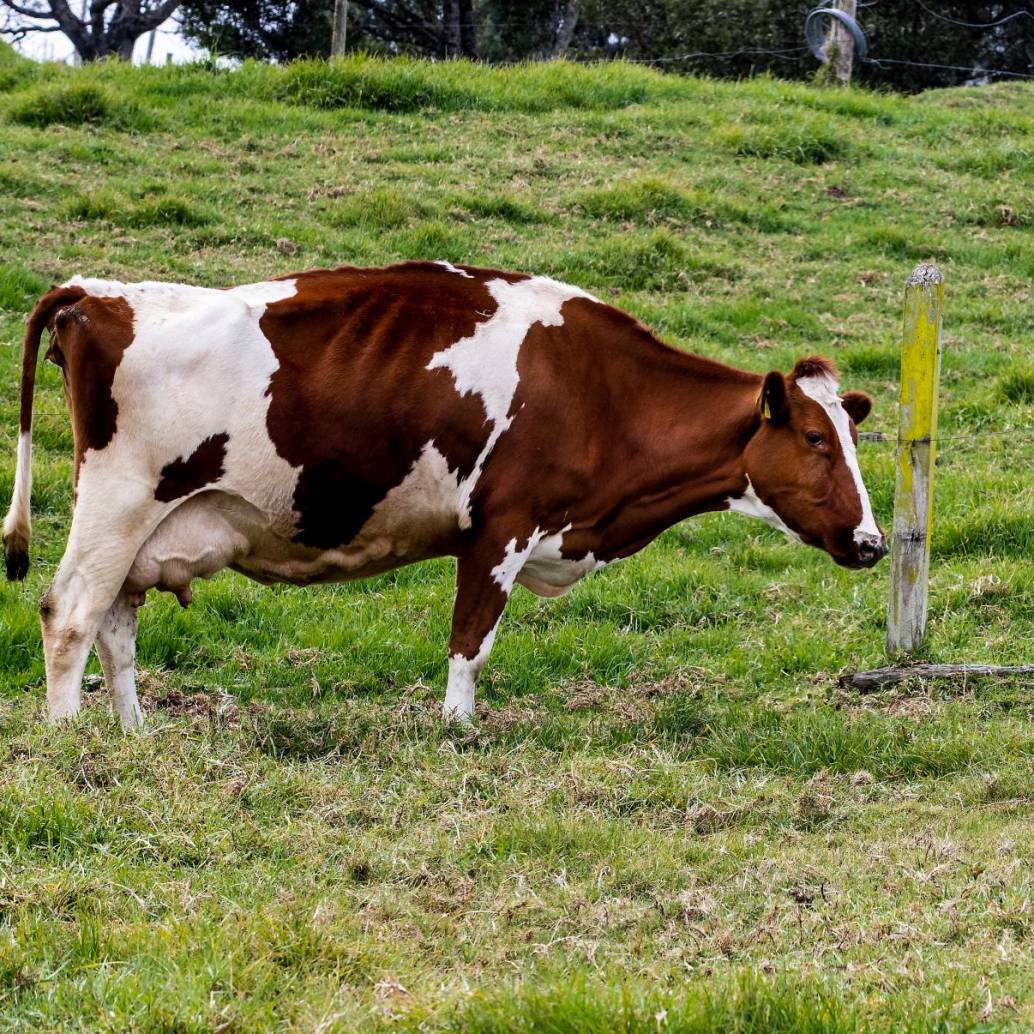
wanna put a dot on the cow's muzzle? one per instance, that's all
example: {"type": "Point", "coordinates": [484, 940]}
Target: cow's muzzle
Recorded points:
{"type": "Point", "coordinates": [871, 551]}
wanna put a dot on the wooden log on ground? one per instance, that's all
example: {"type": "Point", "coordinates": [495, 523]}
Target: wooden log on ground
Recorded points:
{"type": "Point", "coordinates": [869, 681]}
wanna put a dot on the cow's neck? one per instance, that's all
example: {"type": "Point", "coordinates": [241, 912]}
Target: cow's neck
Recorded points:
{"type": "Point", "coordinates": [692, 420]}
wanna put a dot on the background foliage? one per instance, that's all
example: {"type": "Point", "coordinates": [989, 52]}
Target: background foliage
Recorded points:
{"type": "Point", "coordinates": [754, 35]}
{"type": "Point", "coordinates": [670, 816]}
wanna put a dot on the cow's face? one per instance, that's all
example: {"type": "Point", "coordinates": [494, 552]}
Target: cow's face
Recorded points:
{"type": "Point", "coordinates": [803, 468]}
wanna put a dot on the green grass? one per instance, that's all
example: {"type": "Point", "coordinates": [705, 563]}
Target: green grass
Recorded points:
{"type": "Point", "coordinates": [670, 817]}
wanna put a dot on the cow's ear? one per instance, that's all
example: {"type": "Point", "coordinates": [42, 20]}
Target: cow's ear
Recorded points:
{"type": "Point", "coordinates": [857, 404]}
{"type": "Point", "coordinates": [772, 401]}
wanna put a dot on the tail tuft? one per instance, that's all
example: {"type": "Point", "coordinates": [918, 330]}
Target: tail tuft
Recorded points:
{"type": "Point", "coordinates": [16, 556]}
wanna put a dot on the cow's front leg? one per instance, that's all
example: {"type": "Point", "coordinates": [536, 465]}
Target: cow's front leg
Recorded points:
{"type": "Point", "coordinates": [116, 648]}
{"type": "Point", "coordinates": [481, 596]}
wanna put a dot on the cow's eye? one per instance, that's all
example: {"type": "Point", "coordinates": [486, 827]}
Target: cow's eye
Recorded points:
{"type": "Point", "coordinates": [813, 438]}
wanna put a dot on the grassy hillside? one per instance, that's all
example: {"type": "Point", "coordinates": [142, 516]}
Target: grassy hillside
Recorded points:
{"type": "Point", "coordinates": [669, 817]}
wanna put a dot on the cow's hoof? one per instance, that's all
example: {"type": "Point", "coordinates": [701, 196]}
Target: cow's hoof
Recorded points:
{"type": "Point", "coordinates": [132, 719]}
{"type": "Point", "coordinates": [62, 715]}
{"type": "Point", "coordinates": [457, 718]}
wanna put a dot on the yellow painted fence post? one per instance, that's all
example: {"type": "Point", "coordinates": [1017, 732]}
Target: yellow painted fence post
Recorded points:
{"type": "Point", "coordinates": [917, 429]}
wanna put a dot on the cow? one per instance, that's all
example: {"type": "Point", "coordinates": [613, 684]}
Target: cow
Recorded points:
{"type": "Point", "coordinates": [338, 423]}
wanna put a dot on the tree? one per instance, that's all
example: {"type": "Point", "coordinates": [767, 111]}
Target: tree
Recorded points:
{"type": "Point", "coordinates": [277, 30]}
{"type": "Point", "coordinates": [285, 29]}
{"type": "Point", "coordinates": [725, 38]}
{"type": "Point", "coordinates": [518, 30]}
{"type": "Point", "coordinates": [107, 28]}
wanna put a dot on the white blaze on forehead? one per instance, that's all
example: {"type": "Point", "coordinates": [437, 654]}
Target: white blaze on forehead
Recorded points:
{"type": "Point", "coordinates": [822, 389]}
{"type": "Point", "coordinates": [485, 364]}
{"type": "Point", "coordinates": [750, 505]}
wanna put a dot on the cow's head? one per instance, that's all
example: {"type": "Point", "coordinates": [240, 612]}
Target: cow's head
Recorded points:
{"type": "Point", "coordinates": [802, 466]}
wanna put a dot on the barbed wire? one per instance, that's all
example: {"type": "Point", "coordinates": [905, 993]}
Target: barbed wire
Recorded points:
{"type": "Point", "coordinates": [711, 54]}
{"type": "Point", "coordinates": [977, 69]}
{"type": "Point", "coordinates": [975, 25]}
{"type": "Point", "coordinates": [883, 438]}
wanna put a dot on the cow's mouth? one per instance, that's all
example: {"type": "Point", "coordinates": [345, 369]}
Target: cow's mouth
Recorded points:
{"type": "Point", "coordinates": [867, 555]}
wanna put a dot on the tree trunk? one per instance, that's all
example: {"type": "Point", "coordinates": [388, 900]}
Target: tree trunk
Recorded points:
{"type": "Point", "coordinates": [340, 31]}
{"type": "Point", "coordinates": [453, 37]}
{"type": "Point", "coordinates": [468, 29]}
{"type": "Point", "coordinates": [565, 30]}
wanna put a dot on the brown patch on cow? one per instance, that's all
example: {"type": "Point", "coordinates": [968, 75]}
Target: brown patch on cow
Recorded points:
{"type": "Point", "coordinates": [204, 466]}
{"type": "Point", "coordinates": [635, 434]}
{"type": "Point", "coordinates": [353, 347]}
{"type": "Point", "coordinates": [87, 340]}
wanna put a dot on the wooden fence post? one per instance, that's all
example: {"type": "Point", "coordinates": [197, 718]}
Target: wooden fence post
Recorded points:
{"type": "Point", "coordinates": [917, 428]}
{"type": "Point", "coordinates": [840, 44]}
{"type": "Point", "coordinates": [339, 31]}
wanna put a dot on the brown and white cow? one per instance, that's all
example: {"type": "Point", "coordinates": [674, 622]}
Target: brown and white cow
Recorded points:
{"type": "Point", "coordinates": [336, 424]}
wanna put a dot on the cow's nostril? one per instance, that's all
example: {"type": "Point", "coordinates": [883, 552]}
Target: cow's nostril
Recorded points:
{"type": "Point", "coordinates": [871, 552]}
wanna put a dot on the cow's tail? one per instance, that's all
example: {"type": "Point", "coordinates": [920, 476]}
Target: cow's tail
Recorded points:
{"type": "Point", "coordinates": [18, 522]}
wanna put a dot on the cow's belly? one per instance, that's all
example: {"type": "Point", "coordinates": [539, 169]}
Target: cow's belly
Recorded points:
{"type": "Point", "coordinates": [215, 530]}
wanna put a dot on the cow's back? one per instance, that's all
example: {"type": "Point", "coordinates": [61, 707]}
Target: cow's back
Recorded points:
{"type": "Point", "coordinates": [372, 407]}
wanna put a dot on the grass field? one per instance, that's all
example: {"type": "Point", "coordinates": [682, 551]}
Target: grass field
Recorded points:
{"type": "Point", "coordinates": [669, 816]}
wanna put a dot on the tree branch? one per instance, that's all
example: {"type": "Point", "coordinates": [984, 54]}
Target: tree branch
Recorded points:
{"type": "Point", "coordinates": [19, 32]}
{"type": "Point", "coordinates": [413, 24]}
{"type": "Point", "coordinates": [28, 12]}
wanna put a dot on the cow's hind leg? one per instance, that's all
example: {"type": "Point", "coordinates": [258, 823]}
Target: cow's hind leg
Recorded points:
{"type": "Point", "coordinates": [484, 580]}
{"type": "Point", "coordinates": [101, 546]}
{"type": "Point", "coordinates": [116, 647]}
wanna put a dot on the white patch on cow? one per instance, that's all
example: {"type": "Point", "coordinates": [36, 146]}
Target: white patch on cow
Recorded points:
{"type": "Point", "coordinates": [463, 676]}
{"type": "Point", "coordinates": [750, 505]}
{"type": "Point", "coordinates": [18, 520]}
{"type": "Point", "coordinates": [485, 364]}
{"type": "Point", "coordinates": [823, 389]}
{"type": "Point", "coordinates": [540, 566]}
{"type": "Point", "coordinates": [190, 346]}
{"type": "Point", "coordinates": [546, 572]}
{"type": "Point", "coordinates": [453, 269]}
{"type": "Point", "coordinates": [420, 511]}
{"type": "Point", "coordinates": [506, 571]}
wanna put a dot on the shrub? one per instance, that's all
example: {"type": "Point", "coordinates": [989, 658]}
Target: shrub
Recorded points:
{"type": "Point", "coordinates": [801, 141]}
{"type": "Point", "coordinates": [872, 362]}
{"type": "Point", "coordinates": [167, 211]}
{"type": "Point", "coordinates": [502, 206]}
{"type": "Point", "coordinates": [647, 199]}
{"type": "Point", "coordinates": [77, 104]}
{"type": "Point", "coordinates": [383, 208]}
{"type": "Point", "coordinates": [1017, 385]}
{"type": "Point", "coordinates": [19, 288]}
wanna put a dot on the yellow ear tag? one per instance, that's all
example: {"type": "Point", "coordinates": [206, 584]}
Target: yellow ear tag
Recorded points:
{"type": "Point", "coordinates": [765, 411]}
